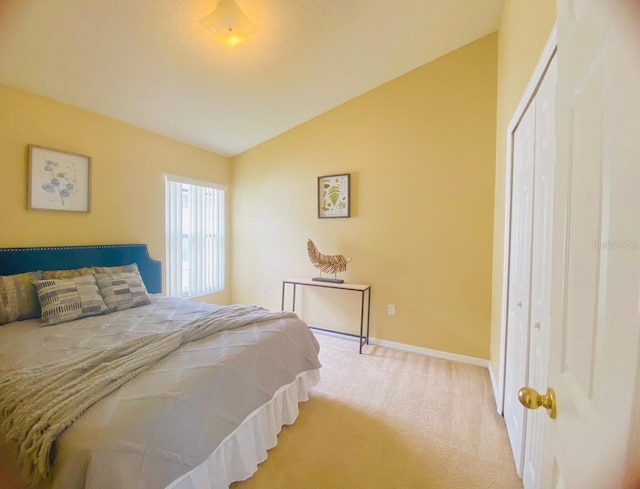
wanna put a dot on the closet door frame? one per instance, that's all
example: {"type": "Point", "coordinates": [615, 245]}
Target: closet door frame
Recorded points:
{"type": "Point", "coordinates": [546, 57]}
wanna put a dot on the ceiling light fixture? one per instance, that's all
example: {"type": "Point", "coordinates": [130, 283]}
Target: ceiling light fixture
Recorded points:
{"type": "Point", "coordinates": [229, 23]}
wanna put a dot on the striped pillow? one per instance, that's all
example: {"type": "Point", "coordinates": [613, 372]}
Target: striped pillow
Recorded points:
{"type": "Point", "coordinates": [122, 290]}
{"type": "Point", "coordinates": [133, 268]}
{"type": "Point", "coordinates": [68, 299]}
{"type": "Point", "coordinates": [18, 298]}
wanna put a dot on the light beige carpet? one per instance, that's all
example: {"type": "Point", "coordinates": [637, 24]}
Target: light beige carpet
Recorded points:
{"type": "Point", "coordinates": [389, 420]}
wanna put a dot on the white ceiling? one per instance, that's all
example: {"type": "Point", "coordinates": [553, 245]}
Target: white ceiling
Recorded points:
{"type": "Point", "coordinates": [149, 62]}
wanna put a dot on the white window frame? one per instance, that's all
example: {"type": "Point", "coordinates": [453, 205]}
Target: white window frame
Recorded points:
{"type": "Point", "coordinates": [208, 264]}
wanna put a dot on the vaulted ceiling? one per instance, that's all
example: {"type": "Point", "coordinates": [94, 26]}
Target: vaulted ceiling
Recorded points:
{"type": "Point", "coordinates": [150, 63]}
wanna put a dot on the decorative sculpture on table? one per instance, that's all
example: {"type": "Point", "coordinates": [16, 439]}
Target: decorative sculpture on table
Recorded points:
{"type": "Point", "coordinates": [327, 263]}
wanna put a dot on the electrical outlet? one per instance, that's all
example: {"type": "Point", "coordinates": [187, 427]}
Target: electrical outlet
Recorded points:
{"type": "Point", "coordinates": [264, 292]}
{"type": "Point", "coordinates": [392, 310]}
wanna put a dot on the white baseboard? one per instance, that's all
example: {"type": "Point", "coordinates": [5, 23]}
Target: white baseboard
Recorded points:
{"type": "Point", "coordinates": [494, 386]}
{"type": "Point", "coordinates": [342, 336]}
{"type": "Point", "coordinates": [445, 355]}
{"type": "Point", "coordinates": [453, 357]}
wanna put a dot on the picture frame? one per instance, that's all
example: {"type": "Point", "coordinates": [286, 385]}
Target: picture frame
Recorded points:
{"type": "Point", "coordinates": [334, 196]}
{"type": "Point", "coordinates": [58, 180]}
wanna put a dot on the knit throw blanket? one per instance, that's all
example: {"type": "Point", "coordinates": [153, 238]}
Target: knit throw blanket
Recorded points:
{"type": "Point", "coordinates": [39, 403]}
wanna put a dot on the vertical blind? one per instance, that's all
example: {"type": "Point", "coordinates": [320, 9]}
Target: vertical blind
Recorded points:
{"type": "Point", "coordinates": [194, 236]}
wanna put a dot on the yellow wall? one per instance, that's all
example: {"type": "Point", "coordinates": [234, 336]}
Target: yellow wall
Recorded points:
{"type": "Point", "coordinates": [524, 31]}
{"type": "Point", "coordinates": [418, 149]}
{"type": "Point", "coordinates": [421, 153]}
{"type": "Point", "coordinates": [127, 164]}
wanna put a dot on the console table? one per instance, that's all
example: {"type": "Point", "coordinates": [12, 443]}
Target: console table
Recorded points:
{"type": "Point", "coordinates": [363, 289]}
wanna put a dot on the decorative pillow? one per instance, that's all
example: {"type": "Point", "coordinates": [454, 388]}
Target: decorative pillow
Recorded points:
{"type": "Point", "coordinates": [122, 290]}
{"type": "Point", "coordinates": [58, 274]}
{"type": "Point", "coordinates": [18, 297]}
{"type": "Point", "coordinates": [133, 268]}
{"type": "Point", "coordinates": [68, 299]}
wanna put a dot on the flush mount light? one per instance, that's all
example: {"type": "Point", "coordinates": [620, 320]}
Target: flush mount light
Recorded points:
{"type": "Point", "coordinates": [229, 23]}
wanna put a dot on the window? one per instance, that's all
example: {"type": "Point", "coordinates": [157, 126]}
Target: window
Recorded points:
{"type": "Point", "coordinates": [195, 236]}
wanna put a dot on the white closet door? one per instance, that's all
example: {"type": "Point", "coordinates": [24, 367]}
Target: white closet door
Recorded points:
{"type": "Point", "coordinates": [545, 160]}
{"type": "Point", "coordinates": [519, 280]}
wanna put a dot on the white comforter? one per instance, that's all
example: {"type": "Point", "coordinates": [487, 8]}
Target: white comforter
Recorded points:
{"type": "Point", "coordinates": [171, 418]}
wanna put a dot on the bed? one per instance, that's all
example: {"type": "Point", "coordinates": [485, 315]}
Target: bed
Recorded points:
{"type": "Point", "coordinates": [201, 417]}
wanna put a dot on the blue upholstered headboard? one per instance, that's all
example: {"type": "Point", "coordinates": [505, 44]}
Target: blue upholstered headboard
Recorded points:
{"type": "Point", "coordinates": [19, 260]}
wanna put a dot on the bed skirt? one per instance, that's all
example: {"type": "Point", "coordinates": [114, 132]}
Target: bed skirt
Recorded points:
{"type": "Point", "coordinates": [238, 456]}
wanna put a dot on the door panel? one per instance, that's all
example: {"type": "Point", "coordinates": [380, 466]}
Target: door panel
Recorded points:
{"type": "Point", "coordinates": [595, 332]}
{"type": "Point", "coordinates": [545, 159]}
{"type": "Point", "coordinates": [519, 280]}
{"type": "Point", "coordinates": [585, 201]}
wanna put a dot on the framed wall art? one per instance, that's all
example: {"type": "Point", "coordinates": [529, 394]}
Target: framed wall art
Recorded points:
{"type": "Point", "coordinates": [59, 180]}
{"type": "Point", "coordinates": [334, 196]}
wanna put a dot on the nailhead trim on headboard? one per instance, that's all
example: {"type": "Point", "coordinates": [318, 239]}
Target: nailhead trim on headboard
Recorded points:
{"type": "Point", "coordinates": [19, 260]}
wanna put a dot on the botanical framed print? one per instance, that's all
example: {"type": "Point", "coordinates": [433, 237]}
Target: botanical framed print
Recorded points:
{"type": "Point", "coordinates": [334, 196]}
{"type": "Point", "coordinates": [58, 180]}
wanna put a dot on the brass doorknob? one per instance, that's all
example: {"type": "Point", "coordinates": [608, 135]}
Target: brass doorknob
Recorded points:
{"type": "Point", "coordinates": [532, 399]}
